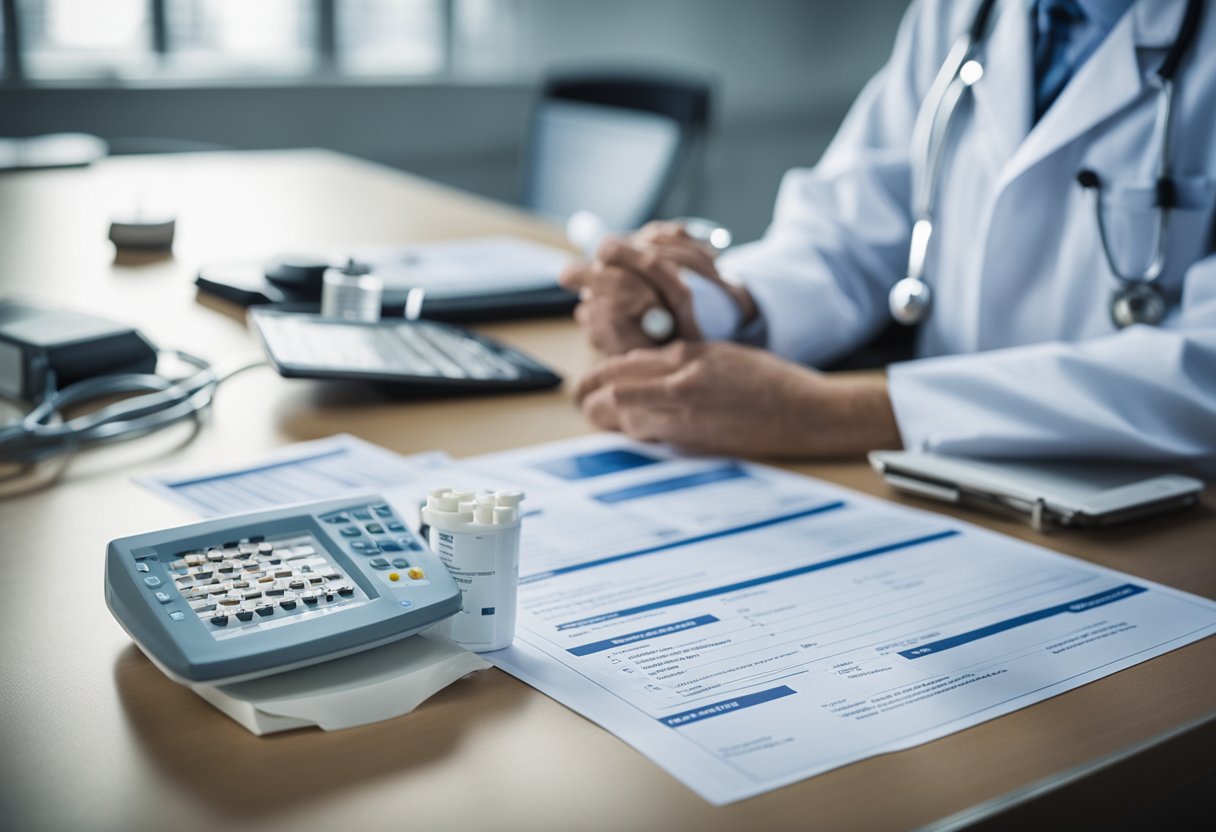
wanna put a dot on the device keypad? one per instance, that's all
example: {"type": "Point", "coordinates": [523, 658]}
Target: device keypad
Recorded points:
{"type": "Point", "coordinates": [249, 581]}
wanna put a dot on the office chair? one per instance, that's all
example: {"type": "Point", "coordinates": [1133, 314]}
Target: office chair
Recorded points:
{"type": "Point", "coordinates": [616, 144]}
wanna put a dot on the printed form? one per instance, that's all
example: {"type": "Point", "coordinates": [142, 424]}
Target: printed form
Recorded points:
{"type": "Point", "coordinates": [746, 628]}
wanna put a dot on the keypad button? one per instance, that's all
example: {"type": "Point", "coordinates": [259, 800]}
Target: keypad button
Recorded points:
{"type": "Point", "coordinates": [396, 526]}
{"type": "Point", "coordinates": [416, 573]}
{"type": "Point", "coordinates": [163, 597]}
{"type": "Point", "coordinates": [264, 610]}
{"type": "Point", "coordinates": [390, 546]}
{"type": "Point", "coordinates": [141, 567]}
{"type": "Point", "coordinates": [152, 581]}
{"type": "Point", "coordinates": [337, 518]}
{"type": "Point", "coordinates": [383, 511]}
{"type": "Point", "coordinates": [351, 531]}
{"type": "Point", "coordinates": [374, 528]}
{"type": "Point", "coordinates": [413, 545]}
{"type": "Point", "coordinates": [401, 563]}
{"type": "Point", "coordinates": [361, 514]}
{"type": "Point", "coordinates": [378, 563]}
{"type": "Point", "coordinates": [288, 603]}
{"type": "Point", "coordinates": [219, 620]}
{"type": "Point", "coordinates": [346, 589]}
{"type": "Point", "coordinates": [177, 615]}
{"type": "Point", "coordinates": [311, 600]}
{"type": "Point", "coordinates": [244, 615]}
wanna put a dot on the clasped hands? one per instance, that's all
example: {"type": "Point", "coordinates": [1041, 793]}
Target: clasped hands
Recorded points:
{"type": "Point", "coordinates": [708, 396]}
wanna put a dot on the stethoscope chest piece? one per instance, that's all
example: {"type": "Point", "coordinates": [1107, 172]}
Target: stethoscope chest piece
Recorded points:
{"type": "Point", "coordinates": [1137, 303]}
{"type": "Point", "coordinates": [909, 300]}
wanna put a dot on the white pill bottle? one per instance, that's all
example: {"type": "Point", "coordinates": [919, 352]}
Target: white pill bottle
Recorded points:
{"type": "Point", "coordinates": [477, 538]}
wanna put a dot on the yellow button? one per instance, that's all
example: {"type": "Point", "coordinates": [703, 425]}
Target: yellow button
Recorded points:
{"type": "Point", "coordinates": [393, 576]}
{"type": "Point", "coordinates": [416, 573]}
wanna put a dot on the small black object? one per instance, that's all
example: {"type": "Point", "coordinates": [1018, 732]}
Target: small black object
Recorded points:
{"type": "Point", "coordinates": [71, 345]}
{"type": "Point", "coordinates": [299, 273]}
{"type": "Point", "coordinates": [1086, 178]}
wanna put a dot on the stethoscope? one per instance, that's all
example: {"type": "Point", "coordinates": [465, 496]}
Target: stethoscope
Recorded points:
{"type": "Point", "coordinates": [1137, 300]}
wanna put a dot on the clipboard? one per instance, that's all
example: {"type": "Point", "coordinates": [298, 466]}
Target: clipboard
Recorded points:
{"type": "Point", "coordinates": [1073, 493]}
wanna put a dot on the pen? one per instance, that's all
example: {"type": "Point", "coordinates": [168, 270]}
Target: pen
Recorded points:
{"type": "Point", "coordinates": [586, 229]}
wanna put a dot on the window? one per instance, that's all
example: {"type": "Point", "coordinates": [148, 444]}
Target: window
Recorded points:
{"type": "Point", "coordinates": [389, 37]}
{"type": "Point", "coordinates": [68, 38]}
{"type": "Point", "coordinates": [201, 39]}
{"type": "Point", "coordinates": [241, 36]}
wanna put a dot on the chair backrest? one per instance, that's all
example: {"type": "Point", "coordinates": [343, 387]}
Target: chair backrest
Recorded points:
{"type": "Point", "coordinates": [612, 144]}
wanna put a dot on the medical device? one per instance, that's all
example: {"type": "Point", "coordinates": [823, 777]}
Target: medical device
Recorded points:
{"type": "Point", "coordinates": [477, 538]}
{"type": "Point", "coordinates": [60, 360]}
{"type": "Point", "coordinates": [242, 597]}
{"type": "Point", "coordinates": [1137, 300]}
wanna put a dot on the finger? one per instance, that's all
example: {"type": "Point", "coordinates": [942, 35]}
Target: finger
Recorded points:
{"type": "Point", "coordinates": [608, 328]}
{"type": "Point", "coordinates": [636, 364]}
{"type": "Point", "coordinates": [660, 229]}
{"type": "Point", "coordinates": [646, 394]}
{"type": "Point", "coordinates": [691, 256]}
{"type": "Point", "coordinates": [600, 410]}
{"type": "Point", "coordinates": [574, 275]}
{"type": "Point", "coordinates": [662, 273]}
{"type": "Point", "coordinates": [649, 424]}
{"type": "Point", "coordinates": [605, 411]}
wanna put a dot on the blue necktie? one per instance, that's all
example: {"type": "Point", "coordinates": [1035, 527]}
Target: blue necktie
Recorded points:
{"type": "Point", "coordinates": [1056, 22]}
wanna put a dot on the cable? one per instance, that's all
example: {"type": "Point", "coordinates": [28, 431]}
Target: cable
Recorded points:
{"type": "Point", "coordinates": [43, 432]}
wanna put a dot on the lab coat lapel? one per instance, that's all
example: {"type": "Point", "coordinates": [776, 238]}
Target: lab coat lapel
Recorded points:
{"type": "Point", "coordinates": [1003, 97]}
{"type": "Point", "coordinates": [1104, 85]}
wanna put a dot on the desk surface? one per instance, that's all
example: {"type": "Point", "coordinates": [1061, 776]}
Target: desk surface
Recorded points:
{"type": "Point", "coordinates": [93, 736]}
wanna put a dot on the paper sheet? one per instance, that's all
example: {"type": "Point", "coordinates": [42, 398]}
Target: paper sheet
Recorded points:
{"type": "Point", "coordinates": [315, 470]}
{"type": "Point", "coordinates": [464, 267]}
{"type": "Point", "coordinates": [746, 628]}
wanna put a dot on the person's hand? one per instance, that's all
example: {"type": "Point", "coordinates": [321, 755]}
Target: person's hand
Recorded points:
{"type": "Point", "coordinates": [727, 398]}
{"type": "Point", "coordinates": [631, 275]}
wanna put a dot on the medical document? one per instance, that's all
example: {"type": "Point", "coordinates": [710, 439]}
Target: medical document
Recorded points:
{"type": "Point", "coordinates": [316, 470]}
{"type": "Point", "coordinates": [746, 628]}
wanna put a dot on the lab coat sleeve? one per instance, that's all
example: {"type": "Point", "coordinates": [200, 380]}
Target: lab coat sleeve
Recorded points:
{"type": "Point", "coordinates": [1145, 393]}
{"type": "Point", "coordinates": [840, 231]}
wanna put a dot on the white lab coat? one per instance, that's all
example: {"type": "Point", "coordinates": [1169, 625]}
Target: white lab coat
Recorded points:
{"type": "Point", "coordinates": [1019, 357]}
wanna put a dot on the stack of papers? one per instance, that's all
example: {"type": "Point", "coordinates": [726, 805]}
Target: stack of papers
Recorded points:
{"type": "Point", "coordinates": [745, 627]}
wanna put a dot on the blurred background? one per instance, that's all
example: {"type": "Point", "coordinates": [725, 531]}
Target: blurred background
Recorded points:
{"type": "Point", "coordinates": [447, 89]}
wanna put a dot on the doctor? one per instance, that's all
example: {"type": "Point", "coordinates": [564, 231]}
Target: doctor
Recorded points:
{"type": "Point", "coordinates": [1034, 182]}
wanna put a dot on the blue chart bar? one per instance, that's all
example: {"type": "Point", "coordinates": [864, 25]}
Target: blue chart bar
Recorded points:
{"type": "Point", "coordinates": [726, 706]}
{"type": "Point", "coordinates": [642, 635]}
{"type": "Point", "coordinates": [1080, 605]}
{"type": "Point", "coordinates": [598, 464]}
{"type": "Point", "coordinates": [649, 489]}
{"type": "Point", "coordinates": [687, 541]}
{"type": "Point", "coordinates": [765, 579]}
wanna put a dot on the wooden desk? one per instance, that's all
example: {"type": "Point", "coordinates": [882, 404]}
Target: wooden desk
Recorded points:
{"type": "Point", "coordinates": [94, 737]}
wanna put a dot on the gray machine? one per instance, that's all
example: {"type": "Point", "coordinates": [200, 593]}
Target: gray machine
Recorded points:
{"type": "Point", "coordinates": [237, 598]}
